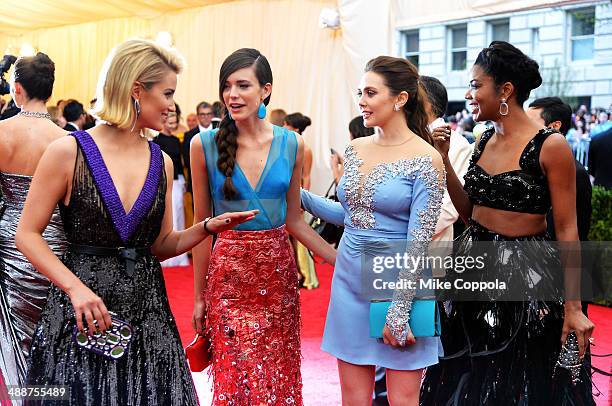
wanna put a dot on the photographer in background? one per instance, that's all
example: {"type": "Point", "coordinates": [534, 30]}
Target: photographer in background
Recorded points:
{"type": "Point", "coordinates": [9, 110]}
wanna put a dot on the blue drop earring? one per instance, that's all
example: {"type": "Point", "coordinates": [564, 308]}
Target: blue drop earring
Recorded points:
{"type": "Point", "coordinates": [261, 112]}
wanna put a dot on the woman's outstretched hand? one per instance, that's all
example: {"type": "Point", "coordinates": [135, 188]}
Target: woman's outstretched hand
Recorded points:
{"type": "Point", "coordinates": [229, 220]}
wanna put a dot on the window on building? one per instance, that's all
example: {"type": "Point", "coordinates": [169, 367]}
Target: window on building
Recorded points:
{"type": "Point", "coordinates": [535, 44]}
{"type": "Point", "coordinates": [411, 46]}
{"type": "Point", "coordinates": [458, 47]}
{"type": "Point", "coordinates": [582, 34]}
{"type": "Point", "coordinates": [499, 30]}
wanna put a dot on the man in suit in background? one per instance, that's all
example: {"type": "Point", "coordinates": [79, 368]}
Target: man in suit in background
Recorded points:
{"type": "Point", "coordinates": [205, 116]}
{"type": "Point", "coordinates": [75, 116]}
{"type": "Point", "coordinates": [600, 159]}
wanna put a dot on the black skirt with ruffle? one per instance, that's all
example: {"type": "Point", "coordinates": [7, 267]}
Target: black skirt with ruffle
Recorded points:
{"type": "Point", "coordinates": [501, 352]}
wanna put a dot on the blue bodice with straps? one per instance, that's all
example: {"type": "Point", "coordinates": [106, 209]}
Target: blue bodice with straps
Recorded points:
{"type": "Point", "coordinates": [269, 195]}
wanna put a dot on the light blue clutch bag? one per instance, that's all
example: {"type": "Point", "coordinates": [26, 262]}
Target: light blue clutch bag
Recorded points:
{"type": "Point", "coordinates": [424, 318]}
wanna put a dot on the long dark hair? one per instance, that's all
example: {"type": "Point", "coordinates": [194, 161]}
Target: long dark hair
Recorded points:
{"type": "Point", "coordinates": [227, 136]}
{"type": "Point", "coordinates": [402, 76]}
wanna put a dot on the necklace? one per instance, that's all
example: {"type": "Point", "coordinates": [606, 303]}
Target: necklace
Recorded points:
{"type": "Point", "coordinates": [35, 114]}
{"type": "Point", "coordinates": [393, 145]}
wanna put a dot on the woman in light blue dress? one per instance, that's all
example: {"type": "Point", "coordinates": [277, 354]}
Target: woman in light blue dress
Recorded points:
{"type": "Point", "coordinates": [391, 190]}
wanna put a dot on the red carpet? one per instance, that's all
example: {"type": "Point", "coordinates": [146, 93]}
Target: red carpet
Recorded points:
{"type": "Point", "coordinates": [319, 372]}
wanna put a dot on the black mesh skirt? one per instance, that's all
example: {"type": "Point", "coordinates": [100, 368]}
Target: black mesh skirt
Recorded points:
{"type": "Point", "coordinates": [501, 352]}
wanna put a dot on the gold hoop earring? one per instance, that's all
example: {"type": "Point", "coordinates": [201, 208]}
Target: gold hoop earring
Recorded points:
{"type": "Point", "coordinates": [503, 108]}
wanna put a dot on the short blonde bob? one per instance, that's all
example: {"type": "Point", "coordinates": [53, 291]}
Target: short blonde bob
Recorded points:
{"type": "Point", "coordinates": [135, 60]}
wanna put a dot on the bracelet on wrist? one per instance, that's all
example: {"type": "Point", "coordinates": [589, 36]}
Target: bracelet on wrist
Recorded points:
{"type": "Point", "coordinates": [206, 220]}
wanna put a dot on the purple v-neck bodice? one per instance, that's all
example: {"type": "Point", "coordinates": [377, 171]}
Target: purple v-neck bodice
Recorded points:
{"type": "Point", "coordinates": [95, 214]}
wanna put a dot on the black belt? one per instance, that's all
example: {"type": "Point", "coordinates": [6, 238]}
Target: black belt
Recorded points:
{"type": "Point", "coordinates": [130, 255]}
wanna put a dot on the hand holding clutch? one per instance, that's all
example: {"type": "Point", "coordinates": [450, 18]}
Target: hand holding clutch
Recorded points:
{"type": "Point", "coordinates": [569, 358]}
{"type": "Point", "coordinates": [198, 353]}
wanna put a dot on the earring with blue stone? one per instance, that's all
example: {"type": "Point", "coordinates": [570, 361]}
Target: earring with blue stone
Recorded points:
{"type": "Point", "coordinates": [261, 112]}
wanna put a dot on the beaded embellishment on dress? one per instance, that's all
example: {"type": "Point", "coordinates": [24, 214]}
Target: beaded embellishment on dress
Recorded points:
{"type": "Point", "coordinates": [359, 193]}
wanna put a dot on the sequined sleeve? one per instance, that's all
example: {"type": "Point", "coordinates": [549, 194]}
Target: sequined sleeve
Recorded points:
{"type": "Point", "coordinates": [323, 208]}
{"type": "Point", "coordinates": [429, 184]}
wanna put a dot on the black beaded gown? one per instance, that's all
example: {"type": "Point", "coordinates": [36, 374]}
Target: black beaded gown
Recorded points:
{"type": "Point", "coordinates": [154, 370]}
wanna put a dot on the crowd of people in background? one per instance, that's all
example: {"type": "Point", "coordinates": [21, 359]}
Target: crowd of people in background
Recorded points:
{"type": "Point", "coordinates": [585, 123]}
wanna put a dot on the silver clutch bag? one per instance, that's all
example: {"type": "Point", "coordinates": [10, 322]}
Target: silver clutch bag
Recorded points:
{"type": "Point", "coordinates": [569, 357]}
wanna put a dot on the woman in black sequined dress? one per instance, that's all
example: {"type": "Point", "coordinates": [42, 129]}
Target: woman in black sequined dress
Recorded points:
{"type": "Point", "coordinates": [112, 259]}
{"type": "Point", "coordinates": [500, 352]}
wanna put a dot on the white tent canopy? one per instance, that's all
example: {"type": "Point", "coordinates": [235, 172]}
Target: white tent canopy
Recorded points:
{"type": "Point", "coordinates": [21, 16]}
{"type": "Point", "coordinates": [316, 70]}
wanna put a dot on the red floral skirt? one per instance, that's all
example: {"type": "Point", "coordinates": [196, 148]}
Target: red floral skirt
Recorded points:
{"type": "Point", "coordinates": [253, 318]}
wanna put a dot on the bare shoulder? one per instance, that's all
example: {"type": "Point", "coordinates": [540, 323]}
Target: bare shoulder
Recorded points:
{"type": "Point", "coordinates": [359, 142]}
{"type": "Point", "coordinates": [168, 163]}
{"type": "Point", "coordinates": [300, 140]}
{"type": "Point", "coordinates": [421, 147]}
{"type": "Point", "coordinates": [62, 152]}
{"type": "Point", "coordinates": [63, 145]}
{"type": "Point", "coordinates": [555, 142]}
{"type": "Point", "coordinates": [6, 127]}
{"type": "Point", "coordinates": [196, 149]}
{"type": "Point", "coordinates": [200, 138]}
{"type": "Point", "coordinates": [556, 153]}
{"type": "Point", "coordinates": [196, 141]}
{"type": "Point", "coordinates": [57, 132]}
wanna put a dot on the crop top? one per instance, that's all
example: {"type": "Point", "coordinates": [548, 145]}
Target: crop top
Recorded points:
{"type": "Point", "coordinates": [522, 190]}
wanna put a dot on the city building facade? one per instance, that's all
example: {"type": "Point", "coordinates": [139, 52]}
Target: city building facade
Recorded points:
{"type": "Point", "coordinates": [571, 41]}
